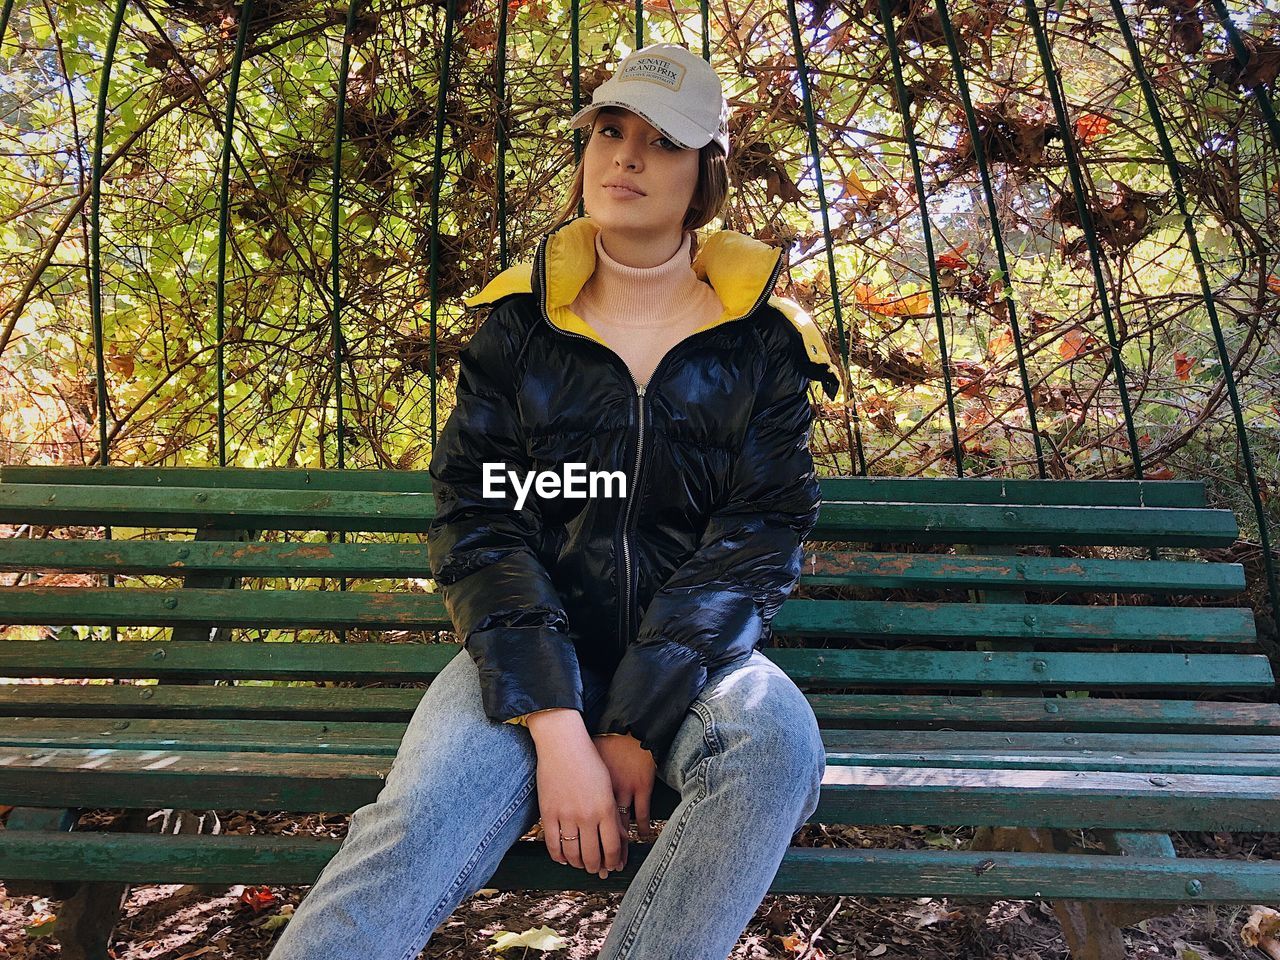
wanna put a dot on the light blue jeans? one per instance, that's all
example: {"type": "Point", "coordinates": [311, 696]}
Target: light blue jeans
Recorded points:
{"type": "Point", "coordinates": [747, 763]}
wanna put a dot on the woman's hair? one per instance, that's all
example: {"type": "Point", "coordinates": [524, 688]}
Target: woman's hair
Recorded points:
{"type": "Point", "coordinates": [708, 196]}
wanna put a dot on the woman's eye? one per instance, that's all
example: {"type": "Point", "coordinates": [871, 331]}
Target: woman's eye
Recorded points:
{"type": "Point", "coordinates": [668, 144]}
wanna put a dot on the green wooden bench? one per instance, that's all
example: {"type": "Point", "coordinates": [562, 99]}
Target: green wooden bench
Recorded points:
{"type": "Point", "coordinates": [995, 697]}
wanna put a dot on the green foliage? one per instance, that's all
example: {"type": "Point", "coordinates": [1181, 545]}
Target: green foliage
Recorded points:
{"type": "Point", "coordinates": [159, 235]}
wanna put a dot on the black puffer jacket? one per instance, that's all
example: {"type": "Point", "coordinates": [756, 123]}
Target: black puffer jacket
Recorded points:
{"type": "Point", "coordinates": [646, 593]}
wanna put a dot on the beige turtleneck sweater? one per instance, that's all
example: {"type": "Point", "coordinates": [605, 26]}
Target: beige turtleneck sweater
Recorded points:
{"type": "Point", "coordinates": [641, 313]}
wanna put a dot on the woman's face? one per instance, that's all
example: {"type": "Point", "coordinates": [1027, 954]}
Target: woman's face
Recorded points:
{"type": "Point", "coordinates": [625, 147]}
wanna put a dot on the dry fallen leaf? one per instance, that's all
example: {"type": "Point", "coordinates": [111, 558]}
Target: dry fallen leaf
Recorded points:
{"type": "Point", "coordinates": [1262, 930]}
{"type": "Point", "coordinates": [539, 938]}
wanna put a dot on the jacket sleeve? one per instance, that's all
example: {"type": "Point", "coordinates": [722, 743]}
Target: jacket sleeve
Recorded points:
{"type": "Point", "coordinates": [717, 606]}
{"type": "Point", "coordinates": [482, 550]}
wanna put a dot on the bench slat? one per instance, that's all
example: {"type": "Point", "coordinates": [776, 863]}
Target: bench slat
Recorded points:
{"type": "Point", "coordinates": [856, 714]}
{"type": "Point", "coordinates": [334, 609]}
{"type": "Point", "coordinates": [1138, 754]}
{"type": "Point", "coordinates": [1136, 761]}
{"type": "Point", "coordinates": [1068, 623]}
{"type": "Point", "coordinates": [1111, 493]}
{"type": "Point", "coordinates": [222, 660]}
{"type": "Point", "coordinates": [81, 505]}
{"type": "Point", "coordinates": [146, 858]}
{"type": "Point", "coordinates": [314, 736]}
{"type": "Point", "coordinates": [907, 741]}
{"type": "Point", "coordinates": [1026, 798]}
{"type": "Point", "coordinates": [822, 567]}
{"type": "Point", "coordinates": [911, 570]}
{"type": "Point", "coordinates": [850, 794]}
{"type": "Point", "coordinates": [1091, 714]}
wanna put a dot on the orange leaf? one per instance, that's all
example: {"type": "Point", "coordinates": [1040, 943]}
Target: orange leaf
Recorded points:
{"type": "Point", "coordinates": [874, 404]}
{"type": "Point", "coordinates": [121, 363]}
{"type": "Point", "coordinates": [1182, 364]}
{"type": "Point", "coordinates": [891, 307]}
{"type": "Point", "coordinates": [480, 34]}
{"type": "Point", "coordinates": [1273, 284]}
{"type": "Point", "coordinates": [1000, 343]}
{"type": "Point", "coordinates": [1090, 126]}
{"type": "Point", "coordinates": [1159, 473]}
{"type": "Point", "coordinates": [259, 898]}
{"type": "Point", "coordinates": [1072, 344]}
{"type": "Point", "coordinates": [953, 259]}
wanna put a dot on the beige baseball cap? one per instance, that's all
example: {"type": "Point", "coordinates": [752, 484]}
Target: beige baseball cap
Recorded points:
{"type": "Point", "coordinates": [670, 87]}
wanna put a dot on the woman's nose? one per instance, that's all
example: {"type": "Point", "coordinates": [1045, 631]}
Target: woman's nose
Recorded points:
{"type": "Point", "coordinates": [626, 156]}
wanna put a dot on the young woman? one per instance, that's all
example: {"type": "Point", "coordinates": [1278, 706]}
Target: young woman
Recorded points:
{"type": "Point", "coordinates": [610, 638]}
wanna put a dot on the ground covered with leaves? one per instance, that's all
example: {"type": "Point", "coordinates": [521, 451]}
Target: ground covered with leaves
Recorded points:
{"type": "Point", "coordinates": [172, 922]}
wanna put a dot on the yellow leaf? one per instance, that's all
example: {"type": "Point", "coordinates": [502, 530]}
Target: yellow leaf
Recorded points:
{"type": "Point", "coordinates": [855, 186]}
{"type": "Point", "coordinates": [539, 938]}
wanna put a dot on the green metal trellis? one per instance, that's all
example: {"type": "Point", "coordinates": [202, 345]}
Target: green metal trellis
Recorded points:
{"type": "Point", "coordinates": [1106, 288]}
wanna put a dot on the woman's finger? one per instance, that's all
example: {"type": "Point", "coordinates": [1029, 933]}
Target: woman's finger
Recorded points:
{"type": "Point", "coordinates": [624, 820]}
{"type": "Point", "coordinates": [611, 841]}
{"type": "Point", "coordinates": [592, 861]}
{"type": "Point", "coordinates": [571, 846]}
{"type": "Point", "coordinates": [642, 815]}
{"type": "Point", "coordinates": [551, 836]}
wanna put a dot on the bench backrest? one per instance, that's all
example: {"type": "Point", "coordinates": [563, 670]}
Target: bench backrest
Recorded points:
{"type": "Point", "coordinates": [907, 654]}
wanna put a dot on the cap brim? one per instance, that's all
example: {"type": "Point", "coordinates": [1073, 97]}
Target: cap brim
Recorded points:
{"type": "Point", "coordinates": [584, 116]}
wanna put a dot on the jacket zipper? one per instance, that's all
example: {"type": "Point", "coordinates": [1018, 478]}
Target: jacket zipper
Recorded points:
{"type": "Point", "coordinates": [624, 604]}
{"type": "Point", "coordinates": [626, 520]}
{"type": "Point", "coordinates": [626, 615]}
{"type": "Point", "coordinates": [624, 607]}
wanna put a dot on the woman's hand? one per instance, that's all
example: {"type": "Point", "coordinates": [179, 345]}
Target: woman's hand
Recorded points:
{"type": "Point", "coordinates": [575, 795]}
{"type": "Point", "coordinates": [631, 770]}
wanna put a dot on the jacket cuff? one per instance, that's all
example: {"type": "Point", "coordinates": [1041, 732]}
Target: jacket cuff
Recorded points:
{"type": "Point", "coordinates": [524, 670]}
{"type": "Point", "coordinates": [523, 719]}
{"type": "Point", "coordinates": [650, 694]}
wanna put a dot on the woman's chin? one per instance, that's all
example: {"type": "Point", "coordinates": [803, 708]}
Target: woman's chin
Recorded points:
{"type": "Point", "coordinates": [616, 215]}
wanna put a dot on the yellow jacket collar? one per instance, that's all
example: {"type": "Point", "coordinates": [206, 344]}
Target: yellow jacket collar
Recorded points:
{"type": "Point", "coordinates": [740, 269]}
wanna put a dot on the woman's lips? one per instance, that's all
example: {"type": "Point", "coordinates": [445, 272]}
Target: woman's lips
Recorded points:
{"type": "Point", "coordinates": [622, 193]}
